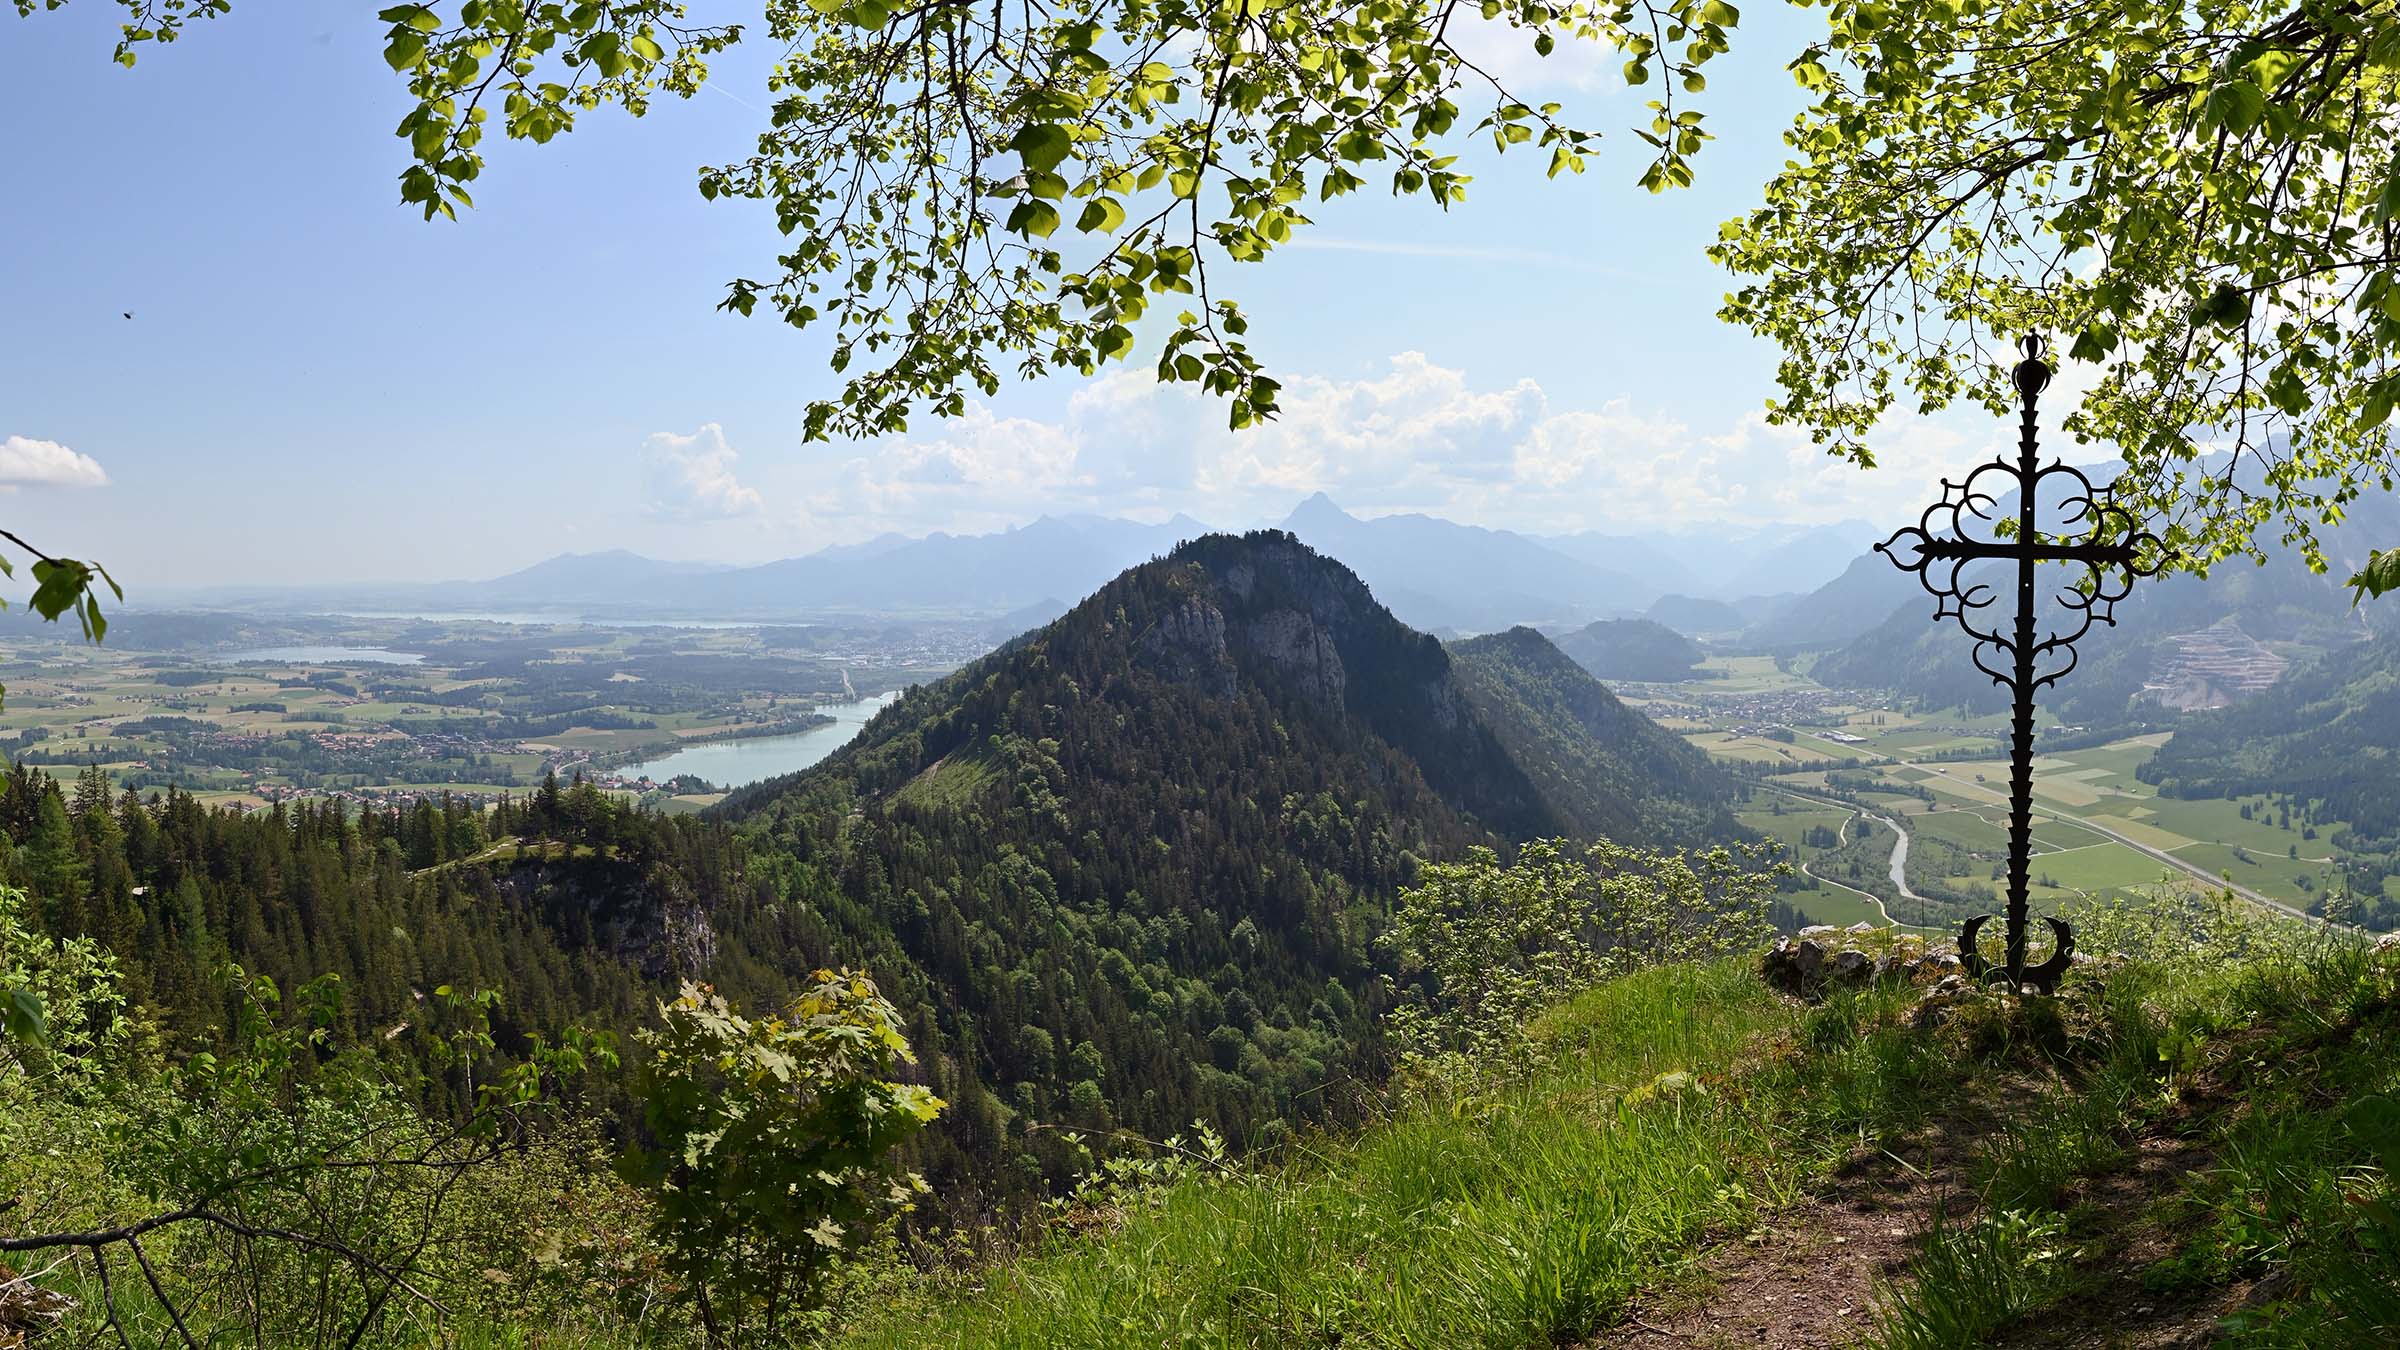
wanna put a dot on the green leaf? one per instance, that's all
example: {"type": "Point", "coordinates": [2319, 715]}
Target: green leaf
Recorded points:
{"type": "Point", "coordinates": [1033, 218]}
{"type": "Point", "coordinates": [1043, 146]}
{"type": "Point", "coordinates": [405, 51]}
{"type": "Point", "coordinates": [1101, 216]}
{"type": "Point", "coordinates": [2235, 104]}
{"type": "Point", "coordinates": [22, 1011]}
{"type": "Point", "coordinates": [2379, 577]}
{"type": "Point", "coordinates": [420, 17]}
{"type": "Point", "coordinates": [2226, 306]}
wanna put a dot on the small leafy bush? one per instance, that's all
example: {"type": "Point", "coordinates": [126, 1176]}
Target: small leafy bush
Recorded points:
{"type": "Point", "coordinates": [1488, 947]}
{"type": "Point", "coordinates": [772, 1140]}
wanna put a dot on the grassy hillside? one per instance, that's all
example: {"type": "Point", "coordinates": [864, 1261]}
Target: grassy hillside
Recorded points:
{"type": "Point", "coordinates": [2201, 1142]}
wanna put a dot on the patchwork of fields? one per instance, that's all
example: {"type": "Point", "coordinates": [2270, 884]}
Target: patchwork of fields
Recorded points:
{"type": "Point", "coordinates": [241, 710]}
{"type": "Point", "coordinates": [2093, 816]}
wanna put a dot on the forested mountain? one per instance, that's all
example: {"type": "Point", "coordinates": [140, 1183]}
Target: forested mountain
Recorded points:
{"type": "Point", "coordinates": [1130, 868]}
{"type": "Point", "coordinates": [2282, 604]}
{"type": "Point", "coordinates": [1796, 560]}
{"type": "Point", "coordinates": [1632, 649]}
{"type": "Point", "coordinates": [1605, 770]}
{"type": "Point", "coordinates": [1694, 617]}
{"type": "Point", "coordinates": [1869, 591]}
{"type": "Point", "coordinates": [1126, 870]}
{"type": "Point", "coordinates": [586, 923]}
{"type": "Point", "coordinates": [2328, 733]}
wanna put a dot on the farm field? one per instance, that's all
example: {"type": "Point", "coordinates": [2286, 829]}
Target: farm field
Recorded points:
{"type": "Point", "coordinates": [2077, 790]}
{"type": "Point", "coordinates": [243, 709]}
{"type": "Point", "coordinates": [1737, 675]}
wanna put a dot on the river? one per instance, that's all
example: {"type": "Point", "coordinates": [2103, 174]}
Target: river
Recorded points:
{"type": "Point", "coordinates": [730, 764]}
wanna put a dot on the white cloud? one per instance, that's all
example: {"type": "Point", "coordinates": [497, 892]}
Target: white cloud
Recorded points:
{"type": "Point", "coordinates": [26, 462]}
{"type": "Point", "coordinates": [1416, 436]}
{"type": "Point", "coordinates": [1506, 54]}
{"type": "Point", "coordinates": [691, 477]}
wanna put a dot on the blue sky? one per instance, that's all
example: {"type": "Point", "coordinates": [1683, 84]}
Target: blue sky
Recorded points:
{"type": "Point", "coordinates": [317, 385]}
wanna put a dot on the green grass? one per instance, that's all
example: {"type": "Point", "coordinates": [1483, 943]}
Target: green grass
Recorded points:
{"type": "Point", "coordinates": [1517, 1218]}
{"type": "Point", "coordinates": [1794, 821]}
{"type": "Point", "coordinates": [1681, 1106]}
{"type": "Point", "coordinates": [1972, 1281]}
{"type": "Point", "coordinates": [2101, 867]}
{"type": "Point", "coordinates": [1975, 831]}
{"type": "Point", "coordinates": [953, 782]}
{"type": "Point", "coordinates": [1829, 904]}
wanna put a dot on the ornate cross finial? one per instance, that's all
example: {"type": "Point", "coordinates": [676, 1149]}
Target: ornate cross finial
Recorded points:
{"type": "Point", "coordinates": [2021, 654]}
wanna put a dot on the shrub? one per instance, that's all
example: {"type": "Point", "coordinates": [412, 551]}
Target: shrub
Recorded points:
{"type": "Point", "coordinates": [1492, 946]}
{"type": "Point", "coordinates": [772, 1140]}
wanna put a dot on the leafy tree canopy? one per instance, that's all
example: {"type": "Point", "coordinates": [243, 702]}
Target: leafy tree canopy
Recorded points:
{"type": "Point", "coordinates": [973, 188]}
{"type": "Point", "coordinates": [2197, 197]}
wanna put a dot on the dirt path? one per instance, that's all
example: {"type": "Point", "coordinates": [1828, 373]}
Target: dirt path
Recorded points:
{"type": "Point", "coordinates": [1812, 1276]}
{"type": "Point", "coordinates": [1807, 1279]}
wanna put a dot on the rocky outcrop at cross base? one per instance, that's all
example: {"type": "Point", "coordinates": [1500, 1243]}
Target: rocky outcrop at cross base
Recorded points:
{"type": "Point", "coordinates": [1822, 957]}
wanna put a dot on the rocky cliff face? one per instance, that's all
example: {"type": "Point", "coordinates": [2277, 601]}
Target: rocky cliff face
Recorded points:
{"type": "Point", "coordinates": [1188, 647]}
{"type": "Point", "coordinates": [648, 918]}
{"type": "Point", "coordinates": [1301, 653]}
{"type": "Point", "coordinates": [1304, 629]}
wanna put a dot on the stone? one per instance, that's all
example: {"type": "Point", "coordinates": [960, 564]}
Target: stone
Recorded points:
{"type": "Point", "coordinates": [1935, 1005]}
{"type": "Point", "coordinates": [1188, 646]}
{"type": "Point", "coordinates": [1793, 965]}
{"type": "Point", "coordinates": [27, 1310]}
{"type": "Point", "coordinates": [1819, 930]}
{"type": "Point", "coordinates": [1302, 652]}
{"type": "Point", "coordinates": [1851, 967]}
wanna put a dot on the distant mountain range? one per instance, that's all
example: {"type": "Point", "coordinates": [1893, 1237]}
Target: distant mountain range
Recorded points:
{"type": "Point", "coordinates": [1877, 623]}
{"type": "Point", "coordinates": [1435, 574]}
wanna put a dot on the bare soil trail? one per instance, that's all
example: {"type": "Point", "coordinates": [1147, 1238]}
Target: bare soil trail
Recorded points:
{"type": "Point", "coordinates": [1811, 1277]}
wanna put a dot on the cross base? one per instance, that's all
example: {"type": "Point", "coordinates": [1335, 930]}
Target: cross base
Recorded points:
{"type": "Point", "coordinates": [2044, 977]}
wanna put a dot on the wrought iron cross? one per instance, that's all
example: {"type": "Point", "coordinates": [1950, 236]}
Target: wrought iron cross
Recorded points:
{"type": "Point", "coordinates": [2024, 656]}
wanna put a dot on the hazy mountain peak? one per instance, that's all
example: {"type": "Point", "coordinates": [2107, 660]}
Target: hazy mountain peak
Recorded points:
{"type": "Point", "coordinates": [1318, 512]}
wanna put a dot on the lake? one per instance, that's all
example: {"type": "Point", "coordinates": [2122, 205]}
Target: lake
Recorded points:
{"type": "Point", "coordinates": [552, 619]}
{"type": "Point", "coordinates": [377, 656]}
{"type": "Point", "coordinates": [730, 764]}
